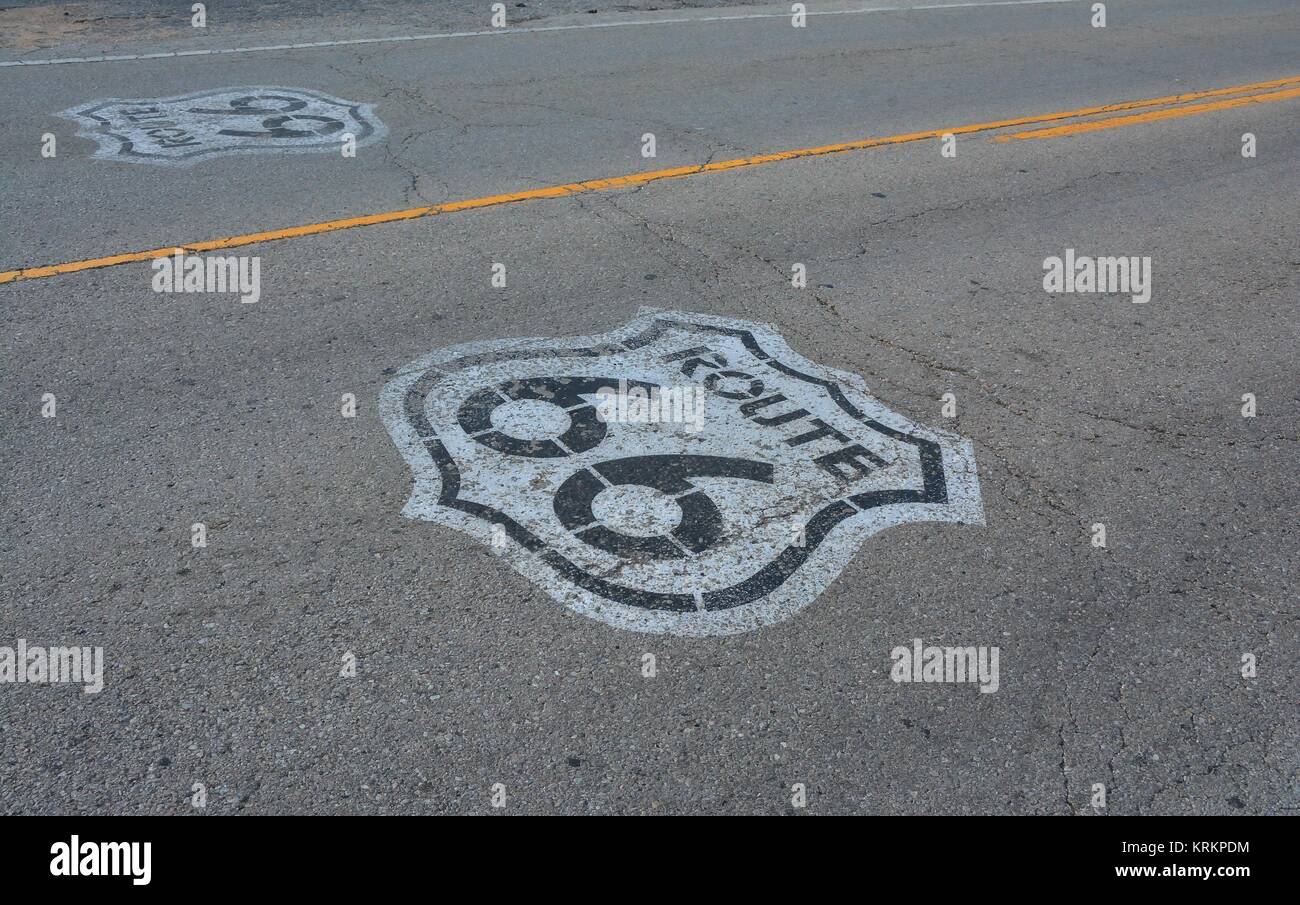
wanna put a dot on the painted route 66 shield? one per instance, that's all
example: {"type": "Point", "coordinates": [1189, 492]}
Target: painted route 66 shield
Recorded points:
{"type": "Point", "coordinates": [685, 473]}
{"type": "Point", "coordinates": [246, 120]}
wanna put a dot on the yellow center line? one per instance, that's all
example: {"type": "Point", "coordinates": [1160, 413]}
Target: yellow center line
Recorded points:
{"type": "Point", "coordinates": [1150, 116]}
{"type": "Point", "coordinates": [636, 179]}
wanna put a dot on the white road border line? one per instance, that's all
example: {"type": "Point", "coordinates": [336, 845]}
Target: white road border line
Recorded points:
{"type": "Point", "coordinates": [352, 42]}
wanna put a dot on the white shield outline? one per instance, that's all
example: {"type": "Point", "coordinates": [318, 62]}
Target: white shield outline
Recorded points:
{"type": "Point", "coordinates": [111, 145]}
{"type": "Point", "coordinates": [950, 493]}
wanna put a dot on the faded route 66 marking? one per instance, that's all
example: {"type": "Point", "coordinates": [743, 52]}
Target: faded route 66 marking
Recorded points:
{"type": "Point", "coordinates": [651, 526]}
{"type": "Point", "coordinates": [253, 120]}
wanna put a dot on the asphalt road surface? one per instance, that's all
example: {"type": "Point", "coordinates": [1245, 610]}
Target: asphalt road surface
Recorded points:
{"type": "Point", "coordinates": [324, 652]}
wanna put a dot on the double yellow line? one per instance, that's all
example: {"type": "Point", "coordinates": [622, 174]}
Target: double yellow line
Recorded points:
{"type": "Point", "coordinates": [1169, 107]}
{"type": "Point", "coordinates": [1173, 109]}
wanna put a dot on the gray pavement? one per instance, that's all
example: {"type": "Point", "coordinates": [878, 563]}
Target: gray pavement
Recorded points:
{"type": "Point", "coordinates": [1119, 665]}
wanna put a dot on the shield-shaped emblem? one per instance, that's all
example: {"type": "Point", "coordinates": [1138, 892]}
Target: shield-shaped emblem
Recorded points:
{"type": "Point", "coordinates": [248, 120]}
{"type": "Point", "coordinates": [686, 473]}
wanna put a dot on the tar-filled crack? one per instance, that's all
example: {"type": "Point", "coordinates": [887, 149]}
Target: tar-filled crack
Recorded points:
{"type": "Point", "coordinates": [397, 155]}
{"type": "Point", "coordinates": [1065, 769]}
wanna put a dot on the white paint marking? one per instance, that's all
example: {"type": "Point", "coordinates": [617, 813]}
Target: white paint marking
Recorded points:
{"type": "Point", "coordinates": [703, 547]}
{"type": "Point", "coordinates": [497, 32]}
{"type": "Point", "coordinates": [246, 120]}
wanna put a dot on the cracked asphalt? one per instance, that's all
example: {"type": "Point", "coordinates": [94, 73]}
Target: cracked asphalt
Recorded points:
{"type": "Point", "coordinates": [1120, 665]}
